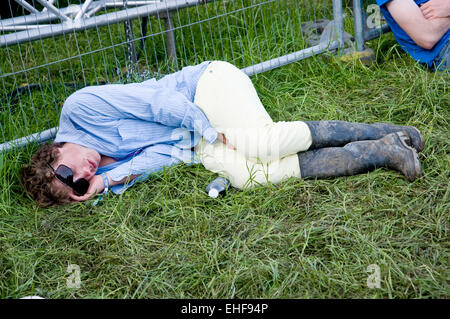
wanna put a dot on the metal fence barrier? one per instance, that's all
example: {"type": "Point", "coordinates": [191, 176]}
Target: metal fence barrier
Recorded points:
{"type": "Point", "coordinates": [50, 48]}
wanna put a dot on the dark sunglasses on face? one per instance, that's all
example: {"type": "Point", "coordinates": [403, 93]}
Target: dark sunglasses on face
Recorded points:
{"type": "Point", "coordinates": [65, 175]}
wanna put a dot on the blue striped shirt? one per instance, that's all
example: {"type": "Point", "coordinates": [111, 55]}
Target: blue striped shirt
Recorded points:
{"type": "Point", "coordinates": [144, 126]}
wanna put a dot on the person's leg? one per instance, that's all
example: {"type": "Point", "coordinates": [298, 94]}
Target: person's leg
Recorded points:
{"type": "Point", "coordinates": [229, 100]}
{"type": "Point", "coordinates": [354, 158]}
{"type": "Point", "coordinates": [270, 142]}
{"type": "Point", "coordinates": [241, 172]}
{"type": "Point", "coordinates": [359, 157]}
{"type": "Point", "coordinates": [339, 133]}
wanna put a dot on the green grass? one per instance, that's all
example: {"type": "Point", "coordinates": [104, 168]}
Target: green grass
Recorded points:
{"type": "Point", "coordinates": [165, 238]}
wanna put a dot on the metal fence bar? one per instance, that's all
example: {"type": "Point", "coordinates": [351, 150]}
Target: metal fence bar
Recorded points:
{"type": "Point", "coordinates": [27, 6]}
{"type": "Point", "coordinates": [289, 58]}
{"type": "Point", "coordinates": [338, 19]}
{"type": "Point", "coordinates": [74, 9]}
{"type": "Point", "coordinates": [103, 20]}
{"type": "Point", "coordinates": [375, 33]}
{"type": "Point", "coordinates": [83, 9]}
{"type": "Point", "coordinates": [39, 137]}
{"type": "Point", "coordinates": [170, 37]}
{"type": "Point", "coordinates": [359, 25]}
{"type": "Point", "coordinates": [50, 7]}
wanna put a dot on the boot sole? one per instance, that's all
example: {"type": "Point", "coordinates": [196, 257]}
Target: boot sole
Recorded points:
{"type": "Point", "coordinates": [403, 138]}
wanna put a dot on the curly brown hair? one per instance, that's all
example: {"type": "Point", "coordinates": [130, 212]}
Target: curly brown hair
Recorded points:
{"type": "Point", "coordinates": [38, 179]}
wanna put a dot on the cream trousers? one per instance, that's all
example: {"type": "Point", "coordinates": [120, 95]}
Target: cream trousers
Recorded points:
{"type": "Point", "coordinates": [266, 151]}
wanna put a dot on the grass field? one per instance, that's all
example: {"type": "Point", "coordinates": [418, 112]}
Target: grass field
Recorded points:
{"type": "Point", "coordinates": [165, 238]}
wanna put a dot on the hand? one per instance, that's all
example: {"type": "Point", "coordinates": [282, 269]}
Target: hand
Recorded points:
{"type": "Point", "coordinates": [436, 9]}
{"type": "Point", "coordinates": [224, 140]}
{"type": "Point", "coordinates": [96, 186]}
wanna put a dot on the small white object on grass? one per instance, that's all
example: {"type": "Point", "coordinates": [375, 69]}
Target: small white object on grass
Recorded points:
{"type": "Point", "coordinates": [217, 186]}
{"type": "Point", "coordinates": [214, 193]}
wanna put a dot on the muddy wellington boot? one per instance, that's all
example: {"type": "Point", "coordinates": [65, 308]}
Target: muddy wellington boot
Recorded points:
{"type": "Point", "coordinates": [339, 133]}
{"type": "Point", "coordinates": [391, 151]}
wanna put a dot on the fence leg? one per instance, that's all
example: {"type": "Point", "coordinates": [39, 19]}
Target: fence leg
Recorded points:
{"type": "Point", "coordinates": [359, 25]}
{"type": "Point", "coordinates": [170, 39]}
{"type": "Point", "coordinates": [338, 18]}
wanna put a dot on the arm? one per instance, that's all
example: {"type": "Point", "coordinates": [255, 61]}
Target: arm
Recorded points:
{"type": "Point", "coordinates": [436, 9]}
{"type": "Point", "coordinates": [148, 161]}
{"type": "Point", "coordinates": [144, 101]}
{"type": "Point", "coordinates": [426, 33]}
{"type": "Point", "coordinates": [172, 108]}
{"type": "Point", "coordinates": [97, 186]}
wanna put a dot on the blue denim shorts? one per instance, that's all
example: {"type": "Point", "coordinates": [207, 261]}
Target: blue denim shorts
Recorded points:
{"type": "Point", "coordinates": [442, 61]}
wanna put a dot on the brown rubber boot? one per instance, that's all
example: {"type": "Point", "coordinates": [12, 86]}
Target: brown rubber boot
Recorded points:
{"type": "Point", "coordinates": [391, 151]}
{"type": "Point", "coordinates": [339, 133]}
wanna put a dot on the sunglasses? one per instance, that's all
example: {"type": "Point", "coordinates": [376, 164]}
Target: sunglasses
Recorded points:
{"type": "Point", "coordinates": [65, 175]}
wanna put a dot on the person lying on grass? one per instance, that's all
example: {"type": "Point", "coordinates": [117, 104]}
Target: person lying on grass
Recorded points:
{"type": "Point", "coordinates": [112, 136]}
{"type": "Point", "coordinates": [422, 28]}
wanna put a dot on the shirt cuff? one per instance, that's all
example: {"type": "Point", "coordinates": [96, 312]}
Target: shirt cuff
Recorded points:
{"type": "Point", "coordinates": [210, 134]}
{"type": "Point", "coordinates": [119, 172]}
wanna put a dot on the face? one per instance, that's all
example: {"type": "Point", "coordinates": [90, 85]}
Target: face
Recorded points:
{"type": "Point", "coordinates": [82, 160]}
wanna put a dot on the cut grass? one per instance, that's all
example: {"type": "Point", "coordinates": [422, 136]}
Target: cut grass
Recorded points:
{"type": "Point", "coordinates": [165, 238]}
